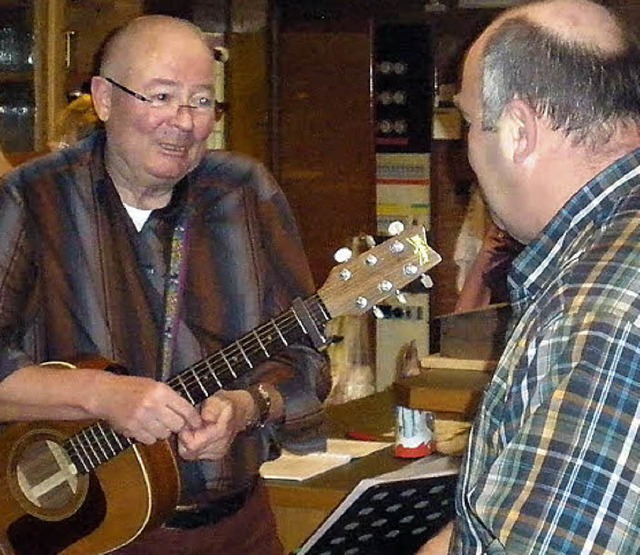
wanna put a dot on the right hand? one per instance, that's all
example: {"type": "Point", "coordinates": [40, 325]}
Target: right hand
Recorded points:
{"type": "Point", "coordinates": [439, 544]}
{"type": "Point", "coordinates": [142, 408]}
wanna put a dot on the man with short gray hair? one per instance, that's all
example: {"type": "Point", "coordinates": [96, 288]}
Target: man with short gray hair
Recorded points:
{"type": "Point", "coordinates": [551, 94]}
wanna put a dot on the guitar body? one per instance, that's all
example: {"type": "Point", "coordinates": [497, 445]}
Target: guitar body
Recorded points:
{"type": "Point", "coordinates": [48, 508]}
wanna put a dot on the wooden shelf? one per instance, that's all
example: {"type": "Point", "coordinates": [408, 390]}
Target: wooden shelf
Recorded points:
{"type": "Point", "coordinates": [15, 4]}
{"type": "Point", "coordinates": [16, 77]}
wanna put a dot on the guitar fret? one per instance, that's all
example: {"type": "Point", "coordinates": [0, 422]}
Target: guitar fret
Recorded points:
{"type": "Point", "coordinates": [121, 442]}
{"type": "Point", "coordinates": [195, 375]}
{"type": "Point", "coordinates": [282, 338]}
{"type": "Point", "coordinates": [108, 434]}
{"type": "Point", "coordinates": [74, 441]}
{"type": "Point", "coordinates": [244, 354]}
{"type": "Point", "coordinates": [266, 353]}
{"type": "Point", "coordinates": [99, 443]}
{"type": "Point", "coordinates": [84, 456]}
{"type": "Point", "coordinates": [95, 455]}
{"type": "Point", "coordinates": [185, 389]}
{"type": "Point", "coordinates": [300, 323]}
{"type": "Point", "coordinates": [86, 460]}
{"type": "Point", "coordinates": [117, 438]}
{"type": "Point", "coordinates": [128, 441]}
{"type": "Point", "coordinates": [215, 376]}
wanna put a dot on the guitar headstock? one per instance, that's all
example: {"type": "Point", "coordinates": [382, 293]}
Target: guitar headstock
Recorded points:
{"type": "Point", "coordinates": [355, 286]}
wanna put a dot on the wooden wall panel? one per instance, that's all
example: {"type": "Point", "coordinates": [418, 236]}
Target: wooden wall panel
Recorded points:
{"type": "Point", "coordinates": [91, 21]}
{"type": "Point", "coordinates": [451, 179]}
{"type": "Point", "coordinates": [247, 92]}
{"type": "Point", "coordinates": [324, 152]}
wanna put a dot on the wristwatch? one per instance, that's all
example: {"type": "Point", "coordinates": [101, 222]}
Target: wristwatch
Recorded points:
{"type": "Point", "coordinates": [262, 399]}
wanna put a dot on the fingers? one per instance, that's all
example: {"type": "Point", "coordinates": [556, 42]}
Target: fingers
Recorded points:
{"type": "Point", "coordinates": [217, 409]}
{"type": "Point", "coordinates": [185, 414]}
{"type": "Point", "coordinates": [146, 410]}
{"type": "Point", "coordinates": [152, 433]}
{"type": "Point", "coordinates": [213, 439]}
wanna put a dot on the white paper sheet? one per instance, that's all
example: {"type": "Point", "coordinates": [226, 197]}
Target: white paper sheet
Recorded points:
{"type": "Point", "coordinates": [300, 467]}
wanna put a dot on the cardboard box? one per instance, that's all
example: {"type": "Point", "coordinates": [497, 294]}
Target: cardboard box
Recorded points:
{"type": "Point", "coordinates": [476, 334]}
{"type": "Point", "coordinates": [451, 394]}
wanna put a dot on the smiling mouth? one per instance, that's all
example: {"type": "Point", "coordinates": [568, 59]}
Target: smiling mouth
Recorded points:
{"type": "Point", "coordinates": [175, 150]}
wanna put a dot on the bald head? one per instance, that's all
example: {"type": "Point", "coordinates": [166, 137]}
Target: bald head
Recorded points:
{"type": "Point", "coordinates": [143, 38]}
{"type": "Point", "coordinates": [572, 61]}
{"type": "Point", "coordinates": [577, 21]}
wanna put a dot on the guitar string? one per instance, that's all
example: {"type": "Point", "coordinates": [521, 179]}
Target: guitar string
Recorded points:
{"type": "Point", "coordinates": [93, 443]}
{"type": "Point", "coordinates": [285, 323]}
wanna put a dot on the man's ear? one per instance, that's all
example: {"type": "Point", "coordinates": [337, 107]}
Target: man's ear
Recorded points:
{"type": "Point", "coordinates": [520, 130]}
{"type": "Point", "coordinates": [101, 91]}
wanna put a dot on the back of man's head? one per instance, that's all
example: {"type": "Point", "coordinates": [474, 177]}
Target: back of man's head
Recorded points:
{"type": "Point", "coordinates": [572, 61]}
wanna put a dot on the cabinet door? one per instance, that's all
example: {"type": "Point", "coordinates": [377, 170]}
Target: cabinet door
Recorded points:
{"type": "Point", "coordinates": [31, 64]}
{"type": "Point", "coordinates": [325, 143]}
{"type": "Point", "coordinates": [87, 25]}
{"type": "Point", "coordinates": [19, 129]}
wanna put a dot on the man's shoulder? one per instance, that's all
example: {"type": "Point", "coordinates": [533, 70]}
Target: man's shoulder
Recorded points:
{"type": "Point", "coordinates": [603, 272]}
{"type": "Point", "coordinates": [51, 165]}
{"type": "Point", "coordinates": [226, 161]}
{"type": "Point", "coordinates": [226, 170]}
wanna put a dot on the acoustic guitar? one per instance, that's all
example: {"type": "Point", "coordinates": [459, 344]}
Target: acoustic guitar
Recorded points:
{"type": "Point", "coordinates": [81, 488]}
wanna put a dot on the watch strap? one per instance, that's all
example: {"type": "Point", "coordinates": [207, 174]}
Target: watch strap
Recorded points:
{"type": "Point", "coordinates": [261, 397]}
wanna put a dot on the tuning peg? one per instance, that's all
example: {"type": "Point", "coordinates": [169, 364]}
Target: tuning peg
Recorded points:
{"type": "Point", "coordinates": [402, 299]}
{"type": "Point", "coordinates": [377, 312]}
{"type": "Point", "coordinates": [395, 228]}
{"type": "Point", "coordinates": [426, 281]}
{"type": "Point", "coordinates": [369, 241]}
{"type": "Point", "coordinates": [343, 255]}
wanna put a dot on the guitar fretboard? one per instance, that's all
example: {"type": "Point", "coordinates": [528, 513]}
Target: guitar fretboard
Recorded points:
{"type": "Point", "coordinates": [99, 443]}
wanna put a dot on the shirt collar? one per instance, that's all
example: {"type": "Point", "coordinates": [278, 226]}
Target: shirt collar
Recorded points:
{"type": "Point", "coordinates": [169, 214]}
{"type": "Point", "coordinates": [540, 260]}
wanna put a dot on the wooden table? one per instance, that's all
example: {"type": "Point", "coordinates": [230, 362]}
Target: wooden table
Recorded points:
{"type": "Point", "coordinates": [300, 507]}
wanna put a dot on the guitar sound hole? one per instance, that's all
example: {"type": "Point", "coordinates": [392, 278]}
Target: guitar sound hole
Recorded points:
{"type": "Point", "coordinates": [46, 475]}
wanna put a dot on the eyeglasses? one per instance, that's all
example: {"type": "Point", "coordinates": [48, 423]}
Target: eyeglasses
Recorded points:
{"type": "Point", "coordinates": [200, 103]}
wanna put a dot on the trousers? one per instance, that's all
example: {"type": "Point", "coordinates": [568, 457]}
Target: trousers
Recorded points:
{"type": "Point", "coordinates": [250, 531]}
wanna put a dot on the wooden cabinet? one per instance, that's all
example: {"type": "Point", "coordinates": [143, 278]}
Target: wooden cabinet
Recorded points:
{"type": "Point", "coordinates": [47, 49]}
{"type": "Point", "coordinates": [87, 24]}
{"type": "Point", "coordinates": [27, 32]}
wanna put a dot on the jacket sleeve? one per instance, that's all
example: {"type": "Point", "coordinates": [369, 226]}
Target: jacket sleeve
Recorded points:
{"type": "Point", "coordinates": [17, 278]}
{"type": "Point", "coordinates": [300, 373]}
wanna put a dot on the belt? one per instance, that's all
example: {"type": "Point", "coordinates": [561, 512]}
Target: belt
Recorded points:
{"type": "Point", "coordinates": [188, 519]}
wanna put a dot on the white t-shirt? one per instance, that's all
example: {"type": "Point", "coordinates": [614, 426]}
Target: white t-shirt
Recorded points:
{"type": "Point", "coordinates": [138, 215]}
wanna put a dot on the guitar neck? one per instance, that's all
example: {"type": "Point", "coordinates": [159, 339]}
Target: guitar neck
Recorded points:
{"type": "Point", "coordinates": [223, 367]}
{"type": "Point", "coordinates": [98, 443]}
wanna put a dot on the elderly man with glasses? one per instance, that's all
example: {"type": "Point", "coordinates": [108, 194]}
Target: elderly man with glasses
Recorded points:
{"type": "Point", "coordinates": [139, 246]}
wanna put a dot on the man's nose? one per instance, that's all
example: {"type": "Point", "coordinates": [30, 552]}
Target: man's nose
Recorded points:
{"type": "Point", "coordinates": [184, 116]}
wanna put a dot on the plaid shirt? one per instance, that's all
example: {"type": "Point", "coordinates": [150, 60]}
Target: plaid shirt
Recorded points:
{"type": "Point", "coordinates": [77, 278]}
{"type": "Point", "coordinates": [552, 464]}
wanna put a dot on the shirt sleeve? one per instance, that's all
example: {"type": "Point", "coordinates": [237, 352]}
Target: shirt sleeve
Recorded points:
{"type": "Point", "coordinates": [566, 477]}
